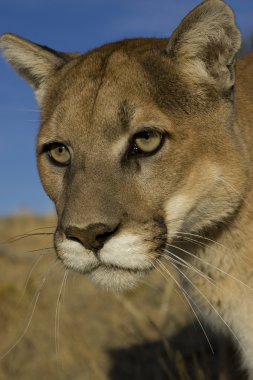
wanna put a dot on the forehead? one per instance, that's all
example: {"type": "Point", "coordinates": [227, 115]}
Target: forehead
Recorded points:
{"type": "Point", "coordinates": [99, 92]}
{"type": "Point", "coordinates": [103, 90]}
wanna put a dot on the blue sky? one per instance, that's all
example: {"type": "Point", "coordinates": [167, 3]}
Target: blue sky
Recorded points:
{"type": "Point", "coordinates": [76, 25]}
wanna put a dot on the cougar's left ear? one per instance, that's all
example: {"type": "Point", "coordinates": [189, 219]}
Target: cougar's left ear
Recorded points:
{"type": "Point", "coordinates": [33, 62]}
{"type": "Point", "coordinates": [205, 44]}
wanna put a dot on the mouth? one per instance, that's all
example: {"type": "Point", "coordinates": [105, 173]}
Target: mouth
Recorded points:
{"type": "Point", "coordinates": [116, 278]}
{"type": "Point", "coordinates": [113, 277]}
{"type": "Point", "coordinates": [114, 268]}
{"type": "Point", "coordinates": [119, 265]}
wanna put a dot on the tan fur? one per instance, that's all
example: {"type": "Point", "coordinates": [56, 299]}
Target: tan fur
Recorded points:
{"type": "Point", "coordinates": [193, 198]}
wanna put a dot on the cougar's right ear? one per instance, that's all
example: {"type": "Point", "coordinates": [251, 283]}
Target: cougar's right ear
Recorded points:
{"type": "Point", "coordinates": [33, 62]}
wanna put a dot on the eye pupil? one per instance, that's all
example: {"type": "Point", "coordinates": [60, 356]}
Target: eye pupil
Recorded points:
{"type": "Point", "coordinates": [147, 142]}
{"type": "Point", "coordinates": [59, 153]}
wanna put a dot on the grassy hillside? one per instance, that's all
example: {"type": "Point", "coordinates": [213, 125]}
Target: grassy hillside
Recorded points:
{"type": "Point", "coordinates": [77, 331]}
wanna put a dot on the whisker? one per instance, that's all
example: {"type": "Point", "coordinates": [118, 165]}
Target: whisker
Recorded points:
{"type": "Point", "coordinates": [36, 298]}
{"type": "Point", "coordinates": [37, 229]}
{"type": "Point", "coordinates": [38, 250]}
{"type": "Point", "coordinates": [212, 266]}
{"type": "Point", "coordinates": [205, 238]}
{"type": "Point", "coordinates": [187, 297]}
{"type": "Point", "coordinates": [24, 110]}
{"type": "Point", "coordinates": [187, 265]}
{"type": "Point", "coordinates": [180, 234]}
{"type": "Point", "coordinates": [24, 236]}
{"type": "Point", "coordinates": [36, 262]}
{"type": "Point", "coordinates": [166, 278]}
{"type": "Point", "coordinates": [204, 245]}
{"type": "Point", "coordinates": [65, 284]}
{"type": "Point", "coordinates": [182, 296]}
{"type": "Point", "coordinates": [17, 254]}
{"type": "Point", "coordinates": [57, 315]}
{"type": "Point", "coordinates": [197, 242]}
{"type": "Point", "coordinates": [209, 303]}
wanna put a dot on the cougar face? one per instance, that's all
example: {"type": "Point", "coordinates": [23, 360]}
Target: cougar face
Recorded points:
{"type": "Point", "coordinates": [109, 226]}
{"type": "Point", "coordinates": [118, 205]}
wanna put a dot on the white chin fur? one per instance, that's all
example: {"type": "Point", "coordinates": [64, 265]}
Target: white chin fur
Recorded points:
{"type": "Point", "coordinates": [115, 279]}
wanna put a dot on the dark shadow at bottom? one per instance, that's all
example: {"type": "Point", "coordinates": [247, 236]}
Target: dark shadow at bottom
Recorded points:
{"type": "Point", "coordinates": [185, 356]}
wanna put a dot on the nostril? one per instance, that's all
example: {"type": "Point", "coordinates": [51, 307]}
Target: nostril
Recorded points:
{"type": "Point", "coordinates": [73, 238]}
{"type": "Point", "coordinates": [106, 235]}
{"type": "Point", "coordinates": [93, 236]}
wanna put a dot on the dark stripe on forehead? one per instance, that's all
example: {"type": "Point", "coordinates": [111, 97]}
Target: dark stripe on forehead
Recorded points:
{"type": "Point", "coordinates": [105, 61]}
{"type": "Point", "coordinates": [167, 89]}
{"type": "Point", "coordinates": [125, 114]}
{"type": "Point", "coordinates": [170, 91]}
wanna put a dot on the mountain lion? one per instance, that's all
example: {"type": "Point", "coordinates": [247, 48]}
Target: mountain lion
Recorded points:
{"type": "Point", "coordinates": [146, 149]}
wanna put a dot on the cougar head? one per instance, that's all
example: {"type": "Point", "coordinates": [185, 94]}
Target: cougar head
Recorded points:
{"type": "Point", "coordinates": [138, 142]}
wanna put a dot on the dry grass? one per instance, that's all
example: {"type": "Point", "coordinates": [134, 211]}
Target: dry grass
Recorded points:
{"type": "Point", "coordinates": [145, 334]}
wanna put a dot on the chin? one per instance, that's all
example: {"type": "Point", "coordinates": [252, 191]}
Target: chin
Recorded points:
{"type": "Point", "coordinates": [116, 279]}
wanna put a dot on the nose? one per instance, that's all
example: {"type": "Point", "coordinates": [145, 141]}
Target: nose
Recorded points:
{"type": "Point", "coordinates": [92, 237]}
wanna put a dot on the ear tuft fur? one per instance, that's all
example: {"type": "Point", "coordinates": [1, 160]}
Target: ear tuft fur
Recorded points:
{"type": "Point", "coordinates": [205, 44]}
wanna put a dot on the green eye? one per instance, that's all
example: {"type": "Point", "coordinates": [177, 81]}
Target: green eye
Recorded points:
{"type": "Point", "coordinates": [147, 142]}
{"type": "Point", "coordinates": [60, 154]}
